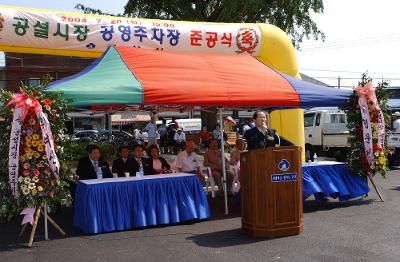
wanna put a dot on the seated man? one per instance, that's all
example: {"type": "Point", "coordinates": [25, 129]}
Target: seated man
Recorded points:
{"type": "Point", "coordinates": [187, 160]}
{"type": "Point", "coordinates": [179, 140]}
{"type": "Point", "coordinates": [213, 159]}
{"type": "Point", "coordinates": [138, 161]}
{"type": "Point", "coordinates": [89, 165]}
{"type": "Point", "coordinates": [120, 165]}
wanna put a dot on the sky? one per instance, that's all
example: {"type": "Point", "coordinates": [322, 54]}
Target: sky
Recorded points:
{"type": "Point", "coordinates": [361, 36]}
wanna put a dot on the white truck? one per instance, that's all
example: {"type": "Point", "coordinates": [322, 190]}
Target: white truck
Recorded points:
{"type": "Point", "coordinates": [325, 132]}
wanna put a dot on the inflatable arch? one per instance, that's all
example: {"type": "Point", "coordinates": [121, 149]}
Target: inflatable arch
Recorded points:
{"type": "Point", "coordinates": [27, 30]}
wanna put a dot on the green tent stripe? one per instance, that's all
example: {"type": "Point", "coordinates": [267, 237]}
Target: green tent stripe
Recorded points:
{"type": "Point", "coordinates": [109, 82]}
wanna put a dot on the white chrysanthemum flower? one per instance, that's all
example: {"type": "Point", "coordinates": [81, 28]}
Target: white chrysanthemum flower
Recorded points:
{"type": "Point", "coordinates": [25, 191]}
{"type": "Point", "coordinates": [20, 179]}
{"type": "Point", "coordinates": [31, 186]}
{"type": "Point", "coordinates": [27, 180]}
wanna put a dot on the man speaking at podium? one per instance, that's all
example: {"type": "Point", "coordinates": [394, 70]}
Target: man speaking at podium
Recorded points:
{"type": "Point", "coordinates": [261, 136]}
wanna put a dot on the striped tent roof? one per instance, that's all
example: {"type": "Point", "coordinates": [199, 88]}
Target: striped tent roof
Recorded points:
{"type": "Point", "coordinates": [126, 76]}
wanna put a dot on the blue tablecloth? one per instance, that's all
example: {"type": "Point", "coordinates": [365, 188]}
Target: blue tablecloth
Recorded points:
{"type": "Point", "coordinates": [125, 203]}
{"type": "Point", "coordinates": [332, 180]}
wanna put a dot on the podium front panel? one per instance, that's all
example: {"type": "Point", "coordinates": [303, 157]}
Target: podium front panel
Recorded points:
{"type": "Point", "coordinates": [271, 191]}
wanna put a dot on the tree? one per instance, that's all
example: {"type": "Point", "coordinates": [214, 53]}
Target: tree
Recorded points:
{"type": "Point", "coordinates": [293, 17]}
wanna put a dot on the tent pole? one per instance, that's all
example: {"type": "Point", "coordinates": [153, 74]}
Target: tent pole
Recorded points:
{"type": "Point", "coordinates": [109, 126]}
{"type": "Point", "coordinates": [223, 160]}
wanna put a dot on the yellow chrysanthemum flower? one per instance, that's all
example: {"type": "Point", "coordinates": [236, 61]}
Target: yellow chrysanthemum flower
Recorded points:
{"type": "Point", "coordinates": [23, 158]}
{"type": "Point", "coordinates": [40, 188]}
{"type": "Point", "coordinates": [28, 144]}
{"type": "Point", "coordinates": [35, 143]}
{"type": "Point", "coordinates": [34, 192]}
{"type": "Point", "coordinates": [37, 155]}
{"type": "Point", "coordinates": [35, 137]}
{"type": "Point", "coordinates": [40, 148]}
{"type": "Point", "coordinates": [28, 138]}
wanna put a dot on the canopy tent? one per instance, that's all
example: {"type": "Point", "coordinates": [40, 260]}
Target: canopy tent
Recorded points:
{"type": "Point", "coordinates": [125, 75]}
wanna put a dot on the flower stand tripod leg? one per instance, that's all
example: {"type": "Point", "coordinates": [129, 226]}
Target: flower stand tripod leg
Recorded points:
{"type": "Point", "coordinates": [375, 187]}
{"type": "Point", "coordinates": [55, 225]}
{"type": "Point", "coordinates": [37, 214]}
{"type": "Point", "coordinates": [23, 229]}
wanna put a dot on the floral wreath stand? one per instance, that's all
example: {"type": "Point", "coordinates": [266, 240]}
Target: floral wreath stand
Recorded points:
{"type": "Point", "coordinates": [372, 131]}
{"type": "Point", "coordinates": [37, 213]}
{"type": "Point", "coordinates": [32, 162]}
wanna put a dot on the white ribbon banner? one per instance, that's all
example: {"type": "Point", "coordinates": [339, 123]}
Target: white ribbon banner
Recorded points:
{"type": "Point", "coordinates": [367, 131]}
{"type": "Point", "coordinates": [49, 143]}
{"type": "Point", "coordinates": [381, 121]}
{"type": "Point", "coordinates": [13, 153]}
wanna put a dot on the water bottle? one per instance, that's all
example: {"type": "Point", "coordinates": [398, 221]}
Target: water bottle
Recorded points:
{"type": "Point", "coordinates": [315, 158]}
{"type": "Point", "coordinates": [141, 171]}
{"type": "Point", "coordinates": [99, 173]}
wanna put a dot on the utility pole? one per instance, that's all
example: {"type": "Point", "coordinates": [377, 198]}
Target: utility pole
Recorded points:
{"type": "Point", "coordinates": [338, 82]}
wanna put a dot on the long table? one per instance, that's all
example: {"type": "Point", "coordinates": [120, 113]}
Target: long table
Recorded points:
{"type": "Point", "coordinates": [104, 205]}
{"type": "Point", "coordinates": [332, 179]}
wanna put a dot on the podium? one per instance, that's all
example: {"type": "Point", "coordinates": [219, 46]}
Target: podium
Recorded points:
{"type": "Point", "coordinates": [271, 191]}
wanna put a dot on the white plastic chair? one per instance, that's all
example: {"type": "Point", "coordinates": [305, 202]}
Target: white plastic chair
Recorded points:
{"type": "Point", "coordinates": [235, 182]}
{"type": "Point", "coordinates": [209, 180]}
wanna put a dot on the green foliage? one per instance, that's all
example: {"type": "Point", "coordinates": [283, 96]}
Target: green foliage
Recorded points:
{"type": "Point", "coordinates": [57, 117]}
{"type": "Point", "coordinates": [76, 150]}
{"type": "Point", "coordinates": [356, 159]}
{"type": "Point", "coordinates": [293, 17]}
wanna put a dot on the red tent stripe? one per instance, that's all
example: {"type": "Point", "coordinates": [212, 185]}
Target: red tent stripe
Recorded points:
{"type": "Point", "coordinates": [207, 79]}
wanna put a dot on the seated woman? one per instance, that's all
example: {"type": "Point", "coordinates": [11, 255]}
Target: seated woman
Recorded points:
{"type": "Point", "coordinates": [157, 164]}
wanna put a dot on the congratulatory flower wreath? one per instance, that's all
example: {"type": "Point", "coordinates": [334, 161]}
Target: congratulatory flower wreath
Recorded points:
{"type": "Point", "coordinates": [368, 120]}
{"type": "Point", "coordinates": [33, 169]}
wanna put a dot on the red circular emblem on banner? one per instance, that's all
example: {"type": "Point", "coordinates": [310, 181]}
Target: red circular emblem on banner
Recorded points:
{"type": "Point", "coordinates": [246, 40]}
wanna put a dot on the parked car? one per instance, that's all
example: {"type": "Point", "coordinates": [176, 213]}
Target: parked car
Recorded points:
{"type": "Point", "coordinates": [120, 138]}
{"type": "Point", "coordinates": [87, 135]}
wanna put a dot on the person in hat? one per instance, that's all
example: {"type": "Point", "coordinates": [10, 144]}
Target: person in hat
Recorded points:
{"type": "Point", "coordinates": [396, 122]}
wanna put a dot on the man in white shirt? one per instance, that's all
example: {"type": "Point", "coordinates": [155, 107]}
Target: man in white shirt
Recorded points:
{"type": "Point", "coordinates": [396, 122]}
{"type": "Point", "coordinates": [179, 139]}
{"type": "Point", "coordinates": [187, 161]}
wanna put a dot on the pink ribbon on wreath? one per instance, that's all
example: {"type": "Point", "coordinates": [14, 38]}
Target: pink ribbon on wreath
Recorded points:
{"type": "Point", "coordinates": [24, 102]}
{"type": "Point", "coordinates": [230, 120]}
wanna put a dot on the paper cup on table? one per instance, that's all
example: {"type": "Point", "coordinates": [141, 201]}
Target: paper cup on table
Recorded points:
{"type": "Point", "coordinates": [126, 174]}
{"type": "Point", "coordinates": [115, 175]}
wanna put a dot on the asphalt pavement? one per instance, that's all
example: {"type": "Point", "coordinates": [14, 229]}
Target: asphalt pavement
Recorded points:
{"type": "Point", "coordinates": [357, 230]}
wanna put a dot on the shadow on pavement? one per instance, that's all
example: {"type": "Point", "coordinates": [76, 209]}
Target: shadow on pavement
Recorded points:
{"type": "Point", "coordinates": [396, 188]}
{"type": "Point", "coordinates": [224, 238]}
{"type": "Point", "coordinates": [310, 206]}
